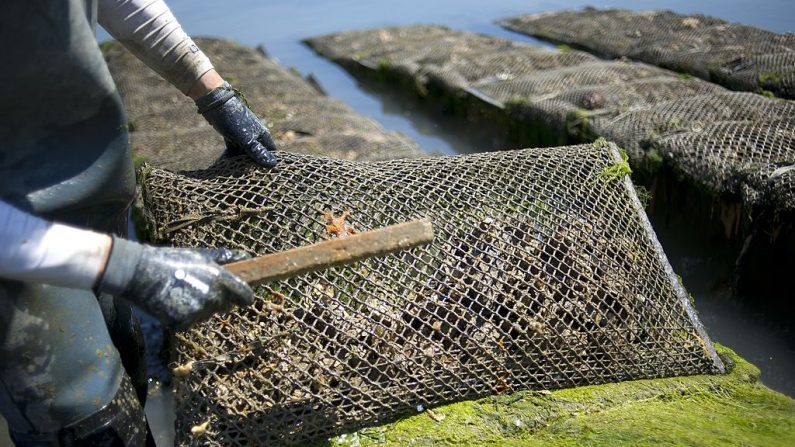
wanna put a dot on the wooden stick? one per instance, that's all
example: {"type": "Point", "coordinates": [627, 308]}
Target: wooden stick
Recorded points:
{"type": "Point", "coordinates": [297, 261]}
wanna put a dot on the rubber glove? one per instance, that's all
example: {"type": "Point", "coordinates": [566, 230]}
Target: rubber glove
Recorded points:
{"type": "Point", "coordinates": [178, 286]}
{"type": "Point", "coordinates": [242, 130]}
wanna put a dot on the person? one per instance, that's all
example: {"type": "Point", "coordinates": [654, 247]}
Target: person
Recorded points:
{"type": "Point", "coordinates": [71, 367]}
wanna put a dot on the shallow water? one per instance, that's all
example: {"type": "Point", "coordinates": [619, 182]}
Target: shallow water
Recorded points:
{"type": "Point", "coordinates": [752, 330]}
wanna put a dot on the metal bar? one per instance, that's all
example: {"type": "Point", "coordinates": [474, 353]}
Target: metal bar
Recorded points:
{"type": "Point", "coordinates": [297, 261]}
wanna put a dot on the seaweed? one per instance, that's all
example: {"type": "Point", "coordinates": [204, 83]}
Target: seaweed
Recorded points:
{"type": "Point", "coordinates": [733, 409]}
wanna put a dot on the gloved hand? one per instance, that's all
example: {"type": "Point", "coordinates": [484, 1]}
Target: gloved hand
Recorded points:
{"type": "Point", "coordinates": [242, 130]}
{"type": "Point", "coordinates": [178, 286]}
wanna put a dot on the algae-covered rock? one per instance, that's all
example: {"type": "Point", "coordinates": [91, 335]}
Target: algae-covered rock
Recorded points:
{"type": "Point", "coordinates": [731, 409]}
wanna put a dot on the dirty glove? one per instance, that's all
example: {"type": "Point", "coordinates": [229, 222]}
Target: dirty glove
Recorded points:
{"type": "Point", "coordinates": [178, 286]}
{"type": "Point", "coordinates": [242, 130]}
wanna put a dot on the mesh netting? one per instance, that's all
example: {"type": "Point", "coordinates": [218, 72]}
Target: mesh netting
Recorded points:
{"type": "Point", "coordinates": [166, 130]}
{"type": "Point", "coordinates": [722, 140]}
{"type": "Point", "coordinates": [693, 124]}
{"type": "Point", "coordinates": [598, 104]}
{"type": "Point", "coordinates": [738, 56]}
{"type": "Point", "coordinates": [491, 65]}
{"type": "Point", "coordinates": [544, 273]}
{"type": "Point", "coordinates": [549, 82]}
{"type": "Point", "coordinates": [712, 125]}
{"type": "Point", "coordinates": [724, 148]}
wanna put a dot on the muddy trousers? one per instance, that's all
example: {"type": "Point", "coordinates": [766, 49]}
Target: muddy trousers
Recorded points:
{"type": "Point", "coordinates": [65, 156]}
{"type": "Point", "coordinates": [62, 381]}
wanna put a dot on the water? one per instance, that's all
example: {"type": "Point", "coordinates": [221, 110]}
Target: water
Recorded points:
{"type": "Point", "coordinates": [751, 325]}
{"type": "Point", "coordinates": [751, 329]}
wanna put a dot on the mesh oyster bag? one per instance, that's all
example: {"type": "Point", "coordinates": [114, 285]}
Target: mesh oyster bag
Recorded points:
{"type": "Point", "coordinates": [723, 141]}
{"type": "Point", "coordinates": [544, 273]}
{"type": "Point", "coordinates": [738, 56]}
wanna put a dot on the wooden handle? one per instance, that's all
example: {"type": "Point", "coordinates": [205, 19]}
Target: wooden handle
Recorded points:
{"type": "Point", "coordinates": [297, 261]}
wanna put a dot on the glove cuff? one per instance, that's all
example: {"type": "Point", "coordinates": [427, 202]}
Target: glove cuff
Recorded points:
{"type": "Point", "coordinates": [122, 262]}
{"type": "Point", "coordinates": [215, 98]}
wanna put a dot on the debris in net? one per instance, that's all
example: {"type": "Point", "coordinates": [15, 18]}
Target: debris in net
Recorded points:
{"type": "Point", "coordinates": [276, 308]}
{"type": "Point", "coordinates": [501, 383]}
{"type": "Point", "coordinates": [337, 226]}
{"type": "Point", "coordinates": [592, 100]}
{"type": "Point", "coordinates": [198, 430]}
{"type": "Point", "coordinates": [183, 370]}
{"type": "Point", "coordinates": [279, 296]}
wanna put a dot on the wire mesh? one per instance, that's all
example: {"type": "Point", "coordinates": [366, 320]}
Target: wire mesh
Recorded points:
{"type": "Point", "coordinates": [738, 56]}
{"type": "Point", "coordinates": [505, 64]}
{"type": "Point", "coordinates": [577, 98]}
{"type": "Point", "coordinates": [544, 273]}
{"type": "Point", "coordinates": [639, 130]}
{"type": "Point", "coordinates": [556, 81]}
{"type": "Point", "coordinates": [724, 149]}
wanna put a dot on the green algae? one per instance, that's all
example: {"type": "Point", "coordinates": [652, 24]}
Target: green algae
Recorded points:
{"type": "Point", "coordinates": [232, 80]}
{"type": "Point", "coordinates": [563, 48]}
{"type": "Point", "coordinates": [731, 409]}
{"type": "Point", "coordinates": [654, 161]}
{"type": "Point", "coordinates": [578, 124]}
{"type": "Point", "coordinates": [615, 171]}
{"type": "Point", "coordinates": [674, 123]}
{"type": "Point", "coordinates": [769, 77]}
{"type": "Point", "coordinates": [601, 142]}
{"type": "Point", "coordinates": [139, 160]}
{"type": "Point", "coordinates": [384, 64]}
{"type": "Point", "coordinates": [106, 45]}
{"type": "Point", "coordinates": [644, 195]}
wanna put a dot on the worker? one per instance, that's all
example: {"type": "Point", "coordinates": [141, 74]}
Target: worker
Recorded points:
{"type": "Point", "coordinates": [69, 352]}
